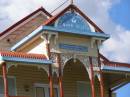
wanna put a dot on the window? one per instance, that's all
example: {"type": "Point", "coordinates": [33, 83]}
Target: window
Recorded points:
{"type": "Point", "coordinates": [42, 90]}
{"type": "Point", "coordinates": [83, 89]}
{"type": "Point", "coordinates": [11, 86]}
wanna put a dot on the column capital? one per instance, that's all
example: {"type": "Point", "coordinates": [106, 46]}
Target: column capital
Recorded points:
{"type": "Point", "coordinates": [2, 62]}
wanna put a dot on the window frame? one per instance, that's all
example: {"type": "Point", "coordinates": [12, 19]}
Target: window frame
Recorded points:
{"type": "Point", "coordinates": [12, 77]}
{"type": "Point", "coordinates": [46, 87]}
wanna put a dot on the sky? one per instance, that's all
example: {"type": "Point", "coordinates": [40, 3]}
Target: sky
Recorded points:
{"type": "Point", "coordinates": [110, 15]}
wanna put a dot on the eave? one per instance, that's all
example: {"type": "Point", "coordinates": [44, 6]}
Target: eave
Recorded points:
{"type": "Point", "coordinates": [27, 38]}
{"type": "Point", "coordinates": [115, 69]}
{"type": "Point", "coordinates": [19, 57]}
{"type": "Point", "coordinates": [54, 29]}
{"type": "Point", "coordinates": [111, 66]}
{"type": "Point", "coordinates": [73, 31]}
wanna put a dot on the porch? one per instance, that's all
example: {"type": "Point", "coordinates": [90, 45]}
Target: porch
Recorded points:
{"type": "Point", "coordinates": [33, 80]}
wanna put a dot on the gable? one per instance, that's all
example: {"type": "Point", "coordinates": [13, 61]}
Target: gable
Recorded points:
{"type": "Point", "coordinates": [21, 30]}
{"type": "Point", "coordinates": [72, 7]}
{"type": "Point", "coordinates": [72, 20]}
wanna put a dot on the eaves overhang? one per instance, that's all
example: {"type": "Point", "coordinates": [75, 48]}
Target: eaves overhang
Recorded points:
{"type": "Point", "coordinates": [24, 58]}
{"type": "Point", "coordinates": [55, 29]}
{"type": "Point", "coordinates": [115, 69]}
{"type": "Point", "coordinates": [73, 31]}
{"type": "Point", "coordinates": [27, 38]}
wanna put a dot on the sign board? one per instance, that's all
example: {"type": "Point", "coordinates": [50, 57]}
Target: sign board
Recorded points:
{"type": "Point", "coordinates": [73, 47]}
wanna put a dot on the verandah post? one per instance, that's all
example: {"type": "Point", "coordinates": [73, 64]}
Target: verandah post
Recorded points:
{"type": "Point", "coordinates": [50, 65]}
{"type": "Point", "coordinates": [100, 74]}
{"type": "Point", "coordinates": [101, 85]}
{"type": "Point", "coordinates": [4, 73]}
{"type": "Point", "coordinates": [92, 77]}
{"type": "Point", "coordinates": [60, 75]}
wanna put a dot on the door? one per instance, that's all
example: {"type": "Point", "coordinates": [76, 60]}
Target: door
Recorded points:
{"type": "Point", "coordinates": [83, 89]}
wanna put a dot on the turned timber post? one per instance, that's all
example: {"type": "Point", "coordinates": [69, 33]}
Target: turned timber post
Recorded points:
{"type": "Point", "coordinates": [4, 75]}
{"type": "Point", "coordinates": [100, 74]}
{"type": "Point", "coordinates": [50, 65]}
{"type": "Point", "coordinates": [60, 75]}
{"type": "Point", "coordinates": [92, 77]}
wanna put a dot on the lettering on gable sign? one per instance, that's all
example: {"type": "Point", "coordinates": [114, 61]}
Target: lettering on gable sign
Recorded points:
{"type": "Point", "coordinates": [73, 47]}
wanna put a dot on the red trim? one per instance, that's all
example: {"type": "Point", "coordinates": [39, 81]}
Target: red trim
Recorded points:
{"type": "Point", "coordinates": [60, 76]}
{"type": "Point", "coordinates": [50, 67]}
{"type": "Point", "coordinates": [101, 81]}
{"type": "Point", "coordinates": [92, 77]}
{"type": "Point", "coordinates": [114, 64]}
{"type": "Point", "coordinates": [52, 20]}
{"type": "Point", "coordinates": [117, 64]}
{"type": "Point", "coordinates": [24, 19]}
{"type": "Point", "coordinates": [22, 55]}
{"type": "Point", "coordinates": [103, 57]}
{"type": "Point", "coordinates": [5, 80]}
{"type": "Point", "coordinates": [51, 86]}
{"type": "Point", "coordinates": [101, 84]}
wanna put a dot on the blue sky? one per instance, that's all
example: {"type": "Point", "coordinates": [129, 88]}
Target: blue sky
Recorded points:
{"type": "Point", "coordinates": [110, 15]}
{"type": "Point", "coordinates": [120, 13]}
{"type": "Point", "coordinates": [124, 91]}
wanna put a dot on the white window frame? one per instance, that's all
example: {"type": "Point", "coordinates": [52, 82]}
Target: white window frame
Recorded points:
{"type": "Point", "coordinates": [13, 77]}
{"type": "Point", "coordinates": [45, 86]}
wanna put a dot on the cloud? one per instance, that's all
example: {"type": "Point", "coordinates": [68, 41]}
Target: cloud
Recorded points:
{"type": "Point", "coordinates": [13, 10]}
{"type": "Point", "coordinates": [116, 48]}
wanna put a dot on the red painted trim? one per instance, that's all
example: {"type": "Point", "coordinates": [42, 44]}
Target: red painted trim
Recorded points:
{"type": "Point", "coordinates": [60, 76]}
{"type": "Point", "coordinates": [51, 85]}
{"type": "Point", "coordinates": [101, 85]}
{"type": "Point", "coordinates": [101, 81]}
{"type": "Point", "coordinates": [24, 19]}
{"type": "Point", "coordinates": [92, 77]}
{"type": "Point", "coordinates": [54, 18]}
{"type": "Point", "coordinates": [22, 55]}
{"type": "Point", "coordinates": [117, 64]}
{"type": "Point", "coordinates": [50, 67]}
{"type": "Point", "coordinates": [5, 80]}
{"type": "Point", "coordinates": [114, 64]}
{"type": "Point", "coordinates": [103, 57]}
{"type": "Point", "coordinates": [70, 7]}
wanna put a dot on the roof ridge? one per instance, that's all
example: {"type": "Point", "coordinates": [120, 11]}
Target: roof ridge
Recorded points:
{"type": "Point", "coordinates": [25, 18]}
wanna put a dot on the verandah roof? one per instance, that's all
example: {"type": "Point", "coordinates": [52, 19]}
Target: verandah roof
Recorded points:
{"type": "Point", "coordinates": [24, 58]}
{"type": "Point", "coordinates": [114, 66]}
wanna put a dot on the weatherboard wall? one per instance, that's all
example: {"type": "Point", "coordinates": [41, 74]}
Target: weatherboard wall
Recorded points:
{"type": "Point", "coordinates": [29, 75]}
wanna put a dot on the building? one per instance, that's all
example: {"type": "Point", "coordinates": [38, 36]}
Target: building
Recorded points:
{"type": "Point", "coordinates": [57, 56]}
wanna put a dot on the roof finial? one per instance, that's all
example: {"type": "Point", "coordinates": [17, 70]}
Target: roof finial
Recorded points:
{"type": "Point", "coordinates": [71, 1]}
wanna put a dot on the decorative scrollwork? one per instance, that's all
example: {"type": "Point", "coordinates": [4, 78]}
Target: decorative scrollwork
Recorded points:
{"type": "Point", "coordinates": [95, 61]}
{"type": "Point", "coordinates": [65, 57]}
{"type": "Point", "coordinates": [53, 57]}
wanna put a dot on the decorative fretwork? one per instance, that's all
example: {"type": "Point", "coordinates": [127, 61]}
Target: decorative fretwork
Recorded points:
{"type": "Point", "coordinates": [95, 61]}
{"type": "Point", "coordinates": [65, 57]}
{"type": "Point", "coordinates": [54, 58]}
{"type": "Point", "coordinates": [84, 60]}
{"type": "Point", "coordinates": [46, 68]}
